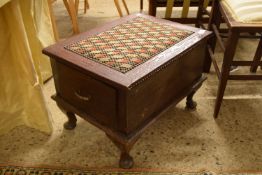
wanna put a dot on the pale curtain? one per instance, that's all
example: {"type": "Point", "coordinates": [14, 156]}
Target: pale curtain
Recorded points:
{"type": "Point", "coordinates": [25, 28]}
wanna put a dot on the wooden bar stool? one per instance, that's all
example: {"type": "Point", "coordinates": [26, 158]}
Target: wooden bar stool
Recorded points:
{"type": "Point", "coordinates": [72, 7]}
{"type": "Point", "coordinates": [241, 16]}
{"type": "Point", "coordinates": [119, 9]}
{"type": "Point", "coordinates": [86, 5]}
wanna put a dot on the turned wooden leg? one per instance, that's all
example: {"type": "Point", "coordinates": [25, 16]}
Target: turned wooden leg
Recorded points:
{"type": "Point", "coordinates": [257, 57]}
{"type": "Point", "coordinates": [225, 71]}
{"type": "Point", "coordinates": [71, 123]}
{"type": "Point", "coordinates": [152, 8]}
{"type": "Point", "coordinates": [141, 5]}
{"type": "Point", "coordinates": [76, 6]}
{"type": "Point", "coordinates": [215, 19]}
{"type": "Point", "coordinates": [126, 161]}
{"type": "Point", "coordinates": [125, 5]}
{"type": "Point", "coordinates": [200, 12]}
{"type": "Point", "coordinates": [169, 8]}
{"type": "Point", "coordinates": [71, 9]}
{"type": "Point", "coordinates": [118, 8]}
{"type": "Point", "coordinates": [190, 103]}
{"type": "Point", "coordinates": [86, 6]}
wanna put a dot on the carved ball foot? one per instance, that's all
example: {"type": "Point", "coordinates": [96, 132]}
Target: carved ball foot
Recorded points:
{"type": "Point", "coordinates": [69, 125]}
{"type": "Point", "coordinates": [126, 161]}
{"type": "Point", "coordinates": [191, 105]}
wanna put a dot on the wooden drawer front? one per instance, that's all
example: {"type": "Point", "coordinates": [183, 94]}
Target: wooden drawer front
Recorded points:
{"type": "Point", "coordinates": [87, 94]}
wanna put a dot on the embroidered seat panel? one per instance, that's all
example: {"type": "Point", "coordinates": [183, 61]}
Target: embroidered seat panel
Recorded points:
{"type": "Point", "coordinates": [130, 44]}
{"type": "Point", "coordinates": [247, 11]}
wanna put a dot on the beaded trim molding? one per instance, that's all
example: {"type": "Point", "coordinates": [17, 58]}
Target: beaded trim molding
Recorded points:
{"type": "Point", "coordinates": [128, 45]}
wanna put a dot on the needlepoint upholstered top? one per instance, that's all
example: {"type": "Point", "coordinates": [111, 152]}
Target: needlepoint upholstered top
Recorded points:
{"type": "Point", "coordinates": [130, 44]}
{"type": "Point", "coordinates": [123, 75]}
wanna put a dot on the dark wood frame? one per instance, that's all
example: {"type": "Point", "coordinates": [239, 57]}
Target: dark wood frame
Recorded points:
{"type": "Point", "coordinates": [235, 28]}
{"type": "Point", "coordinates": [124, 136]}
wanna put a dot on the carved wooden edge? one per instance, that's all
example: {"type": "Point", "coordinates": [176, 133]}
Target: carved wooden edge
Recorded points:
{"type": "Point", "coordinates": [162, 67]}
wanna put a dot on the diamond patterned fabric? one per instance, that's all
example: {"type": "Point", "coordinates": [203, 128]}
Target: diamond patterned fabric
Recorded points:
{"type": "Point", "coordinates": [130, 44]}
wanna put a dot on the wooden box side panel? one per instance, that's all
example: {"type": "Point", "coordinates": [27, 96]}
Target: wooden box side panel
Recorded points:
{"type": "Point", "coordinates": [72, 86]}
{"type": "Point", "coordinates": [146, 100]}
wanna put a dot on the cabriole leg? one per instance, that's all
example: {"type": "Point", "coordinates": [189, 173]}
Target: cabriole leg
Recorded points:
{"type": "Point", "coordinates": [71, 123]}
{"type": "Point", "coordinates": [126, 161]}
{"type": "Point", "coordinates": [190, 103]}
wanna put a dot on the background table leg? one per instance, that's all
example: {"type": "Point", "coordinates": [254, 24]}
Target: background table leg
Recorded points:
{"type": "Point", "coordinates": [118, 8]}
{"type": "Point", "coordinates": [71, 8]}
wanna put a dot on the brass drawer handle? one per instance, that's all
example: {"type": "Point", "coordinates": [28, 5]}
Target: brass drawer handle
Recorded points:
{"type": "Point", "coordinates": [82, 97]}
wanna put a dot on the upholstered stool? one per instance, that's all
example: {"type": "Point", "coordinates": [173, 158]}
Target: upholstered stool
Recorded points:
{"type": "Point", "coordinates": [241, 16]}
{"type": "Point", "coordinates": [122, 76]}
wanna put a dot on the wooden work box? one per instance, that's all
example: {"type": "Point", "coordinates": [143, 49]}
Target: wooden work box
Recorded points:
{"type": "Point", "coordinates": [123, 75]}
